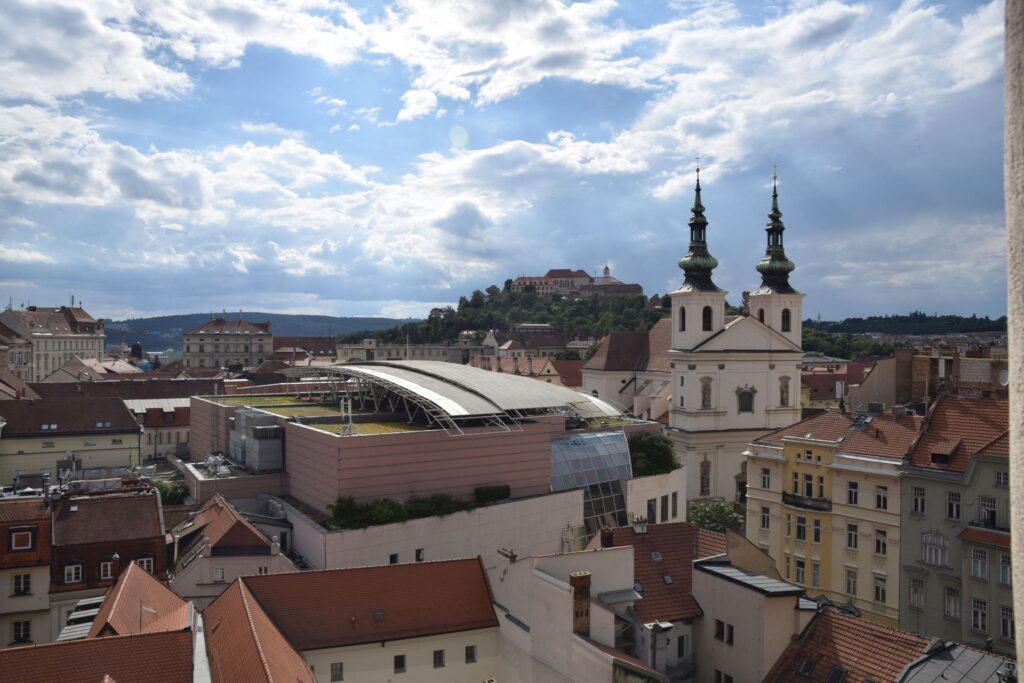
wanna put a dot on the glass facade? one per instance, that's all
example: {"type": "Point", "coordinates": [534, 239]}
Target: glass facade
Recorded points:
{"type": "Point", "coordinates": [596, 463]}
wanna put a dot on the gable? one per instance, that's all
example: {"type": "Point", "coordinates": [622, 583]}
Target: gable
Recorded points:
{"type": "Point", "coordinates": [747, 334]}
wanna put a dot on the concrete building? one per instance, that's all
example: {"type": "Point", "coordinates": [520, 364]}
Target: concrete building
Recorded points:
{"type": "Point", "coordinates": [955, 535]}
{"type": "Point", "coordinates": [542, 369]}
{"type": "Point", "coordinates": [50, 337]}
{"type": "Point", "coordinates": [823, 500]}
{"type": "Point", "coordinates": [24, 572]}
{"type": "Point", "coordinates": [221, 343]}
{"type": "Point", "coordinates": [372, 349]}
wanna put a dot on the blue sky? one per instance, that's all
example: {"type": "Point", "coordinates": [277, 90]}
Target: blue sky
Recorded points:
{"type": "Point", "coordinates": [164, 156]}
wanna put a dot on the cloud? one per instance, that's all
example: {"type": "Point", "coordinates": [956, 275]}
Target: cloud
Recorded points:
{"type": "Point", "coordinates": [417, 103]}
{"type": "Point", "coordinates": [23, 254]}
{"type": "Point", "coordinates": [270, 129]}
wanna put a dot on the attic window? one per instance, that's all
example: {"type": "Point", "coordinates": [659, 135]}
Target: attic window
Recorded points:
{"type": "Point", "coordinates": [103, 423]}
{"type": "Point", "coordinates": [838, 675]}
{"type": "Point", "coordinates": [667, 578]}
{"type": "Point", "coordinates": [656, 556]}
{"type": "Point", "coordinates": [47, 426]}
{"type": "Point", "coordinates": [806, 667]}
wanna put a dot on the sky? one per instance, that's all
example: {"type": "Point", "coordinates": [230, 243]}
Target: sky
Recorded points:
{"type": "Point", "coordinates": [358, 158]}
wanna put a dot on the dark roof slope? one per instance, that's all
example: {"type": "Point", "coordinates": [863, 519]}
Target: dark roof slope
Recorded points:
{"type": "Point", "coordinates": [570, 372]}
{"type": "Point", "coordinates": [318, 346]}
{"type": "Point", "coordinates": [132, 388]}
{"type": "Point", "coordinates": [959, 428]}
{"type": "Point", "coordinates": [620, 351]}
{"type": "Point", "coordinates": [70, 415]}
{"type": "Point", "coordinates": [228, 327]}
{"type": "Point", "coordinates": [104, 518]}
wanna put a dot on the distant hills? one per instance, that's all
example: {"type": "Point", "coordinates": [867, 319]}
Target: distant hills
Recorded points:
{"type": "Point", "coordinates": [914, 323]}
{"type": "Point", "coordinates": [164, 332]}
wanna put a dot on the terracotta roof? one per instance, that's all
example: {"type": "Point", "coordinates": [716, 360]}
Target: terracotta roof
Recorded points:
{"type": "Point", "coordinates": [620, 656]}
{"type": "Point", "coordinates": [223, 526]}
{"type": "Point", "coordinates": [62, 321]}
{"type": "Point", "coordinates": [566, 273]}
{"type": "Point", "coordinates": [318, 346]}
{"type": "Point", "coordinates": [334, 608]}
{"type": "Point", "coordinates": [244, 645]}
{"type": "Point", "coordinates": [26, 512]}
{"type": "Point", "coordinates": [659, 341]}
{"type": "Point", "coordinates": [883, 436]}
{"type": "Point", "coordinates": [105, 518]}
{"type": "Point", "coordinates": [148, 658]}
{"type": "Point", "coordinates": [570, 371]}
{"type": "Point", "coordinates": [133, 388]}
{"type": "Point", "coordinates": [623, 351]}
{"type": "Point", "coordinates": [960, 428]}
{"type": "Point", "coordinates": [229, 327]}
{"type": "Point", "coordinates": [678, 544]}
{"type": "Point", "coordinates": [835, 639]}
{"type": "Point", "coordinates": [70, 415]}
{"type": "Point", "coordinates": [16, 384]}
{"type": "Point", "coordinates": [139, 603]}
{"type": "Point", "coordinates": [984, 536]}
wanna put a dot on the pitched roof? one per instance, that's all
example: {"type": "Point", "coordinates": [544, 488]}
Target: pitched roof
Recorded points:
{"type": "Point", "coordinates": [38, 320]}
{"type": "Point", "coordinates": [959, 428]}
{"type": "Point", "coordinates": [148, 658]}
{"type": "Point", "coordinates": [570, 371]}
{"type": "Point", "coordinates": [566, 272]}
{"type": "Point", "coordinates": [622, 351]}
{"type": "Point", "coordinates": [139, 603]}
{"type": "Point", "coordinates": [223, 526]}
{"type": "Point", "coordinates": [132, 388]}
{"type": "Point", "coordinates": [835, 639]}
{"type": "Point", "coordinates": [104, 518]}
{"type": "Point", "coordinates": [629, 661]}
{"type": "Point", "coordinates": [70, 415]}
{"type": "Point", "coordinates": [244, 645]}
{"type": "Point", "coordinates": [15, 384]}
{"type": "Point", "coordinates": [339, 607]}
{"type": "Point", "coordinates": [677, 544]}
{"type": "Point", "coordinates": [884, 436]}
{"type": "Point", "coordinates": [659, 341]}
{"type": "Point", "coordinates": [222, 326]}
{"type": "Point", "coordinates": [318, 346]}
{"type": "Point", "coordinates": [25, 512]}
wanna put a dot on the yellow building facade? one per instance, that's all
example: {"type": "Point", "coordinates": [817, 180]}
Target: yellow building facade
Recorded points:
{"type": "Point", "coordinates": [35, 455]}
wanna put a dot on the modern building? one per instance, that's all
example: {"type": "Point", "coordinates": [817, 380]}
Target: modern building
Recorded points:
{"type": "Point", "coordinates": [956, 578]}
{"type": "Point", "coordinates": [49, 337]}
{"type": "Point", "coordinates": [24, 571]}
{"type": "Point", "coordinates": [221, 343]}
{"type": "Point", "coordinates": [824, 500]}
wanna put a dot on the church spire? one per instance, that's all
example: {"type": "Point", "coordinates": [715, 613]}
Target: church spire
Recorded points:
{"type": "Point", "coordinates": [775, 267]}
{"type": "Point", "coordinates": [698, 262]}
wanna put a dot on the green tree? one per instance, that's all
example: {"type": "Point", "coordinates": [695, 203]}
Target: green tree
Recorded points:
{"type": "Point", "coordinates": [571, 354]}
{"type": "Point", "coordinates": [651, 453]}
{"type": "Point", "coordinates": [714, 515]}
{"type": "Point", "coordinates": [171, 492]}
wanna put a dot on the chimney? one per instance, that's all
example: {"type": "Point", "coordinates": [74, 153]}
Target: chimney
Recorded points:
{"type": "Point", "coordinates": [529, 365]}
{"type": "Point", "coordinates": [899, 411]}
{"type": "Point", "coordinates": [275, 546]}
{"type": "Point", "coordinates": [515, 364]}
{"type": "Point", "coordinates": [607, 537]}
{"type": "Point", "coordinates": [579, 582]}
{"type": "Point", "coordinates": [115, 566]}
{"type": "Point", "coordinates": [639, 525]}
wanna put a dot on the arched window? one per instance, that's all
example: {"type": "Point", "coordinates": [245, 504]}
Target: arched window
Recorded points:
{"type": "Point", "coordinates": [785, 320]}
{"type": "Point", "coordinates": [760, 314]}
{"type": "Point", "coordinates": [707, 318]}
{"type": "Point", "coordinates": [682, 318]}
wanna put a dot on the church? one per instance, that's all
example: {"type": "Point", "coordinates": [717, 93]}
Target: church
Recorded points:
{"type": "Point", "coordinates": [719, 381]}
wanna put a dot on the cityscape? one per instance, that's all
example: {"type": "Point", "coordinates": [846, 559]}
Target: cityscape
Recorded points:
{"type": "Point", "coordinates": [509, 342]}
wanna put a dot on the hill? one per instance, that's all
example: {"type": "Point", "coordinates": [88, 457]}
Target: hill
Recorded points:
{"type": "Point", "coordinates": [164, 332]}
{"type": "Point", "coordinates": [912, 323]}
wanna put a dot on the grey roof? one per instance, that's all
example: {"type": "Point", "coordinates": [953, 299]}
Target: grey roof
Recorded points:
{"type": "Point", "coordinates": [759, 582]}
{"type": "Point", "coordinates": [957, 663]}
{"type": "Point", "coordinates": [619, 596]}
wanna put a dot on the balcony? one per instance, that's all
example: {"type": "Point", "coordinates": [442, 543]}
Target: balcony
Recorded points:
{"type": "Point", "coordinates": [806, 502]}
{"type": "Point", "coordinates": [988, 522]}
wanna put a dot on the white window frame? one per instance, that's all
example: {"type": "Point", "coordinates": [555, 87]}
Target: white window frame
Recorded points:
{"type": "Point", "coordinates": [979, 563]}
{"type": "Point", "coordinates": [20, 546]}
{"type": "Point", "coordinates": [953, 509]}
{"type": "Point", "coordinates": [766, 478]}
{"type": "Point", "coordinates": [146, 563]}
{"type": "Point", "coordinates": [881, 593]}
{"type": "Point", "coordinates": [766, 518]}
{"type": "Point", "coordinates": [951, 602]}
{"type": "Point", "coordinates": [851, 581]}
{"type": "Point", "coordinates": [919, 500]}
{"type": "Point", "coordinates": [852, 493]}
{"type": "Point", "coordinates": [73, 573]}
{"type": "Point", "coordinates": [979, 615]}
{"type": "Point", "coordinates": [1005, 569]}
{"type": "Point", "coordinates": [916, 593]}
{"type": "Point", "coordinates": [22, 584]}
{"type": "Point", "coordinates": [881, 497]}
{"type": "Point", "coordinates": [881, 542]}
{"type": "Point", "coordinates": [852, 536]}
{"type": "Point", "coordinates": [106, 570]}
{"type": "Point", "coordinates": [337, 671]}
{"type": "Point", "coordinates": [1006, 623]}
{"type": "Point", "coordinates": [935, 550]}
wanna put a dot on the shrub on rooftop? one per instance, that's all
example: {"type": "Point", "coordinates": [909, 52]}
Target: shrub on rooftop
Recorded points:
{"type": "Point", "coordinates": [714, 515]}
{"type": "Point", "coordinates": [346, 513]}
{"type": "Point", "coordinates": [491, 494]}
{"type": "Point", "coordinates": [651, 453]}
{"type": "Point", "coordinates": [171, 492]}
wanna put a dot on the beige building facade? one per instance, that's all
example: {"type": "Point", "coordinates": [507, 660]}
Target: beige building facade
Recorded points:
{"type": "Point", "coordinates": [221, 343]}
{"type": "Point", "coordinates": [41, 340]}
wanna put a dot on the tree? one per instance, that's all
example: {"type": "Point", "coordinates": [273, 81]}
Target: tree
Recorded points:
{"type": "Point", "coordinates": [571, 354]}
{"type": "Point", "coordinates": [651, 453]}
{"type": "Point", "coordinates": [171, 492]}
{"type": "Point", "coordinates": [714, 515]}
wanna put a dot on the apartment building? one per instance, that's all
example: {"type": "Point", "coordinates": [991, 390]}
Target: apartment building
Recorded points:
{"type": "Point", "coordinates": [221, 343]}
{"type": "Point", "coordinates": [823, 499]}
{"type": "Point", "coordinates": [41, 340]}
{"type": "Point", "coordinates": [955, 539]}
{"type": "Point", "coordinates": [24, 572]}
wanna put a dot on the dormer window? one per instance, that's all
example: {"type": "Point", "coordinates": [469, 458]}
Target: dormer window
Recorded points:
{"type": "Point", "coordinates": [21, 539]}
{"type": "Point", "coordinates": [73, 572]}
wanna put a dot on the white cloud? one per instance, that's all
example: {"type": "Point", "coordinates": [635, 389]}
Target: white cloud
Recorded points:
{"type": "Point", "coordinates": [417, 103]}
{"type": "Point", "coordinates": [270, 129]}
{"type": "Point", "coordinates": [23, 254]}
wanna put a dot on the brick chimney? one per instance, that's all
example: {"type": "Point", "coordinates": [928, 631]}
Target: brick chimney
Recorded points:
{"type": "Point", "coordinates": [607, 537]}
{"type": "Point", "coordinates": [580, 584]}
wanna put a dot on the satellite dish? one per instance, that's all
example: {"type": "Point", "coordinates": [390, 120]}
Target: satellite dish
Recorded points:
{"type": "Point", "coordinates": [1004, 378]}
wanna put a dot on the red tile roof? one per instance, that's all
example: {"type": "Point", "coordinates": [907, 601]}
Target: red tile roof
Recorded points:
{"type": "Point", "coordinates": [621, 351]}
{"type": "Point", "coordinates": [864, 649]}
{"type": "Point", "coordinates": [622, 657]}
{"type": "Point", "coordinates": [149, 658]}
{"type": "Point", "coordinates": [137, 388]}
{"type": "Point", "coordinates": [983, 536]}
{"type": "Point", "coordinates": [245, 645]}
{"type": "Point", "coordinates": [570, 371]}
{"type": "Point", "coordinates": [139, 603]}
{"type": "Point", "coordinates": [318, 346]}
{"type": "Point", "coordinates": [223, 526]}
{"type": "Point", "coordinates": [960, 428]}
{"type": "Point", "coordinates": [70, 415]}
{"type": "Point", "coordinates": [338, 607]}
{"type": "Point", "coordinates": [106, 518]}
{"type": "Point", "coordinates": [678, 544]}
{"type": "Point", "coordinates": [222, 326]}
{"type": "Point", "coordinates": [884, 436]}
{"type": "Point", "coordinates": [24, 510]}
{"type": "Point", "coordinates": [25, 513]}
{"type": "Point", "coordinates": [566, 273]}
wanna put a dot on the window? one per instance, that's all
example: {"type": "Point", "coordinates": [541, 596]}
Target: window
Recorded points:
{"type": "Point", "coordinates": [952, 505]}
{"type": "Point", "coordinates": [800, 572]}
{"type": "Point", "coordinates": [796, 482]}
{"type": "Point", "coordinates": [470, 654]}
{"type": "Point", "coordinates": [337, 671]}
{"type": "Point", "coordinates": [881, 542]}
{"type": "Point", "coordinates": [1002, 479]}
{"type": "Point", "coordinates": [821, 487]}
{"type": "Point", "coordinates": [146, 563]}
{"type": "Point", "coordinates": [438, 659]}
{"type": "Point", "coordinates": [652, 509]}
{"type": "Point", "coordinates": [1005, 571]}
{"type": "Point", "coordinates": [766, 478]}
{"type": "Point", "coordinates": [682, 318]}
{"type": "Point", "coordinates": [419, 554]}
{"type": "Point", "coordinates": [935, 549]}
{"type": "Point", "coordinates": [851, 536]}
{"type": "Point", "coordinates": [816, 535]}
{"type": "Point", "coordinates": [399, 664]}
{"type": "Point", "coordinates": [218, 574]}
{"type": "Point", "coordinates": [801, 528]}
{"type": "Point", "coordinates": [851, 581]}
{"type": "Point", "coordinates": [879, 589]}
{"type": "Point", "coordinates": [786, 323]}
{"type": "Point", "coordinates": [987, 507]}
{"type": "Point", "coordinates": [22, 584]}
{"type": "Point", "coordinates": [682, 646]}
{"type": "Point", "coordinates": [815, 574]}
{"type": "Point", "coordinates": [882, 497]}
{"type": "Point", "coordinates": [809, 485]}
{"type": "Point", "coordinates": [952, 602]}
{"type": "Point", "coordinates": [675, 504]}
{"type": "Point", "coordinates": [393, 558]}
{"type": "Point", "coordinates": [21, 540]}
{"type": "Point", "coordinates": [1006, 622]}
{"type": "Point", "coordinates": [789, 521]}
{"type": "Point", "coordinates": [766, 518]}
{"type": "Point", "coordinates": [664, 508]}
{"type": "Point", "coordinates": [72, 573]}
{"type": "Point", "coordinates": [852, 493]}
{"type": "Point", "coordinates": [979, 563]}
{"type": "Point", "coordinates": [729, 634]}
{"type": "Point", "coordinates": [21, 631]}
{"type": "Point", "coordinates": [746, 401]}
{"type": "Point", "coordinates": [837, 675]}
{"type": "Point", "coordinates": [107, 570]}
{"type": "Point", "coordinates": [916, 594]}
{"type": "Point", "coordinates": [707, 318]}
{"type": "Point", "coordinates": [719, 629]}
{"type": "Point", "coordinates": [979, 615]}
{"type": "Point", "coordinates": [918, 492]}
{"type": "Point", "coordinates": [807, 667]}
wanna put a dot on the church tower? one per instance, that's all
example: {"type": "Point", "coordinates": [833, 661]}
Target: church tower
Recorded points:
{"type": "Point", "coordinates": [698, 307]}
{"type": "Point", "coordinates": [775, 303]}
